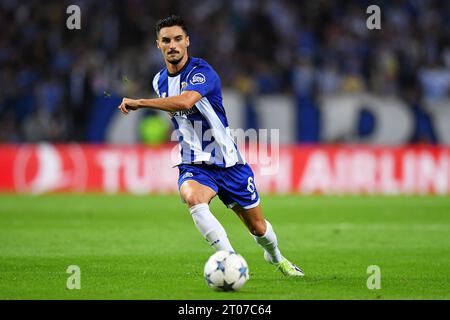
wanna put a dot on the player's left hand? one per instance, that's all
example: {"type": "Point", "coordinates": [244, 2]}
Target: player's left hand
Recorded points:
{"type": "Point", "coordinates": [127, 105]}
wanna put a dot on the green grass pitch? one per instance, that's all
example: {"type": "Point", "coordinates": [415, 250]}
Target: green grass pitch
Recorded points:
{"type": "Point", "coordinates": [146, 247]}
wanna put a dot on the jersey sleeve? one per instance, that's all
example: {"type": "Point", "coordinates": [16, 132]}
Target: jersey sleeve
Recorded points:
{"type": "Point", "coordinates": [202, 79]}
{"type": "Point", "coordinates": [155, 83]}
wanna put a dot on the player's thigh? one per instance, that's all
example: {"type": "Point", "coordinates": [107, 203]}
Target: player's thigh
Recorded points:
{"type": "Point", "coordinates": [193, 193]}
{"type": "Point", "coordinates": [253, 218]}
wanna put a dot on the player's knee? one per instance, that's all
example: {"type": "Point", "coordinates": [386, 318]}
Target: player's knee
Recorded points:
{"type": "Point", "coordinates": [193, 199]}
{"type": "Point", "coordinates": [258, 228]}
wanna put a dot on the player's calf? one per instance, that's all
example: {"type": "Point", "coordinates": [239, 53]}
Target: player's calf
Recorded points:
{"type": "Point", "coordinates": [210, 227]}
{"type": "Point", "coordinates": [269, 242]}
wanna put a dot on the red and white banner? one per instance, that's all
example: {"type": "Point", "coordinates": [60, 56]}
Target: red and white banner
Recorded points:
{"type": "Point", "coordinates": [300, 169]}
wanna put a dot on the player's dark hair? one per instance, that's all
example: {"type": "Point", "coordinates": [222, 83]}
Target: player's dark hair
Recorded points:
{"type": "Point", "coordinates": [170, 21]}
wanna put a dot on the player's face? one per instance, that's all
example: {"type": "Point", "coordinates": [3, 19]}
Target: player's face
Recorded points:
{"type": "Point", "coordinates": [173, 43]}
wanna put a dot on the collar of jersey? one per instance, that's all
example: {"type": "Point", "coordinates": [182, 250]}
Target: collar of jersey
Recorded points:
{"type": "Point", "coordinates": [181, 70]}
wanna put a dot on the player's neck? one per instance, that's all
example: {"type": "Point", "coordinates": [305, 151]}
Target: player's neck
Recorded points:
{"type": "Point", "coordinates": [174, 68]}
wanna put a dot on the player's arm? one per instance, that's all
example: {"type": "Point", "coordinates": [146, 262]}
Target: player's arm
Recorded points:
{"type": "Point", "coordinates": [183, 101]}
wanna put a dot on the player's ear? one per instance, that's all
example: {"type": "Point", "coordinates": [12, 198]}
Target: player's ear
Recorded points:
{"type": "Point", "coordinates": [187, 41]}
{"type": "Point", "coordinates": [157, 44]}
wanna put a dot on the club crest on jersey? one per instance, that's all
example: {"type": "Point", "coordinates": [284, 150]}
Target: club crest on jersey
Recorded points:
{"type": "Point", "coordinates": [198, 78]}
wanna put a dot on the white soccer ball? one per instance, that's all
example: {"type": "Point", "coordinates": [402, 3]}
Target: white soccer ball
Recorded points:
{"type": "Point", "coordinates": [226, 271]}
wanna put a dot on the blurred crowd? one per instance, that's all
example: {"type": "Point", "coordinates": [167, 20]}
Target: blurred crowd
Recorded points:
{"type": "Point", "coordinates": [51, 77]}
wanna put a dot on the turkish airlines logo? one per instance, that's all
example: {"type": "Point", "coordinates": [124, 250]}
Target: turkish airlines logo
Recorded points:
{"type": "Point", "coordinates": [45, 168]}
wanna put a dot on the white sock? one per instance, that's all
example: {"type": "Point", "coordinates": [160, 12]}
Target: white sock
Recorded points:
{"type": "Point", "coordinates": [269, 242]}
{"type": "Point", "coordinates": [210, 227]}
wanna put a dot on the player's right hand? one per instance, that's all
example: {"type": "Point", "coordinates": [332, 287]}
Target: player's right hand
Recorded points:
{"type": "Point", "coordinates": [127, 105]}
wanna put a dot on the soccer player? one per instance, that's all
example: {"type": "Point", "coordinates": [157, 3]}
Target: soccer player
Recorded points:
{"type": "Point", "coordinates": [210, 164]}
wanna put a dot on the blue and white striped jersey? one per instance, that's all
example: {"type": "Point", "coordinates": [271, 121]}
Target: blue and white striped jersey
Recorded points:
{"type": "Point", "coordinates": [203, 132]}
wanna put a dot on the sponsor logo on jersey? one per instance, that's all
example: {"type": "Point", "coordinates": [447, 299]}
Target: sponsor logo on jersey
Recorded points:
{"type": "Point", "coordinates": [198, 78]}
{"type": "Point", "coordinates": [184, 112]}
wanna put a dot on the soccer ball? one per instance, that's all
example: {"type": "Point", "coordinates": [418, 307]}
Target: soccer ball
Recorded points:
{"type": "Point", "coordinates": [226, 271]}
